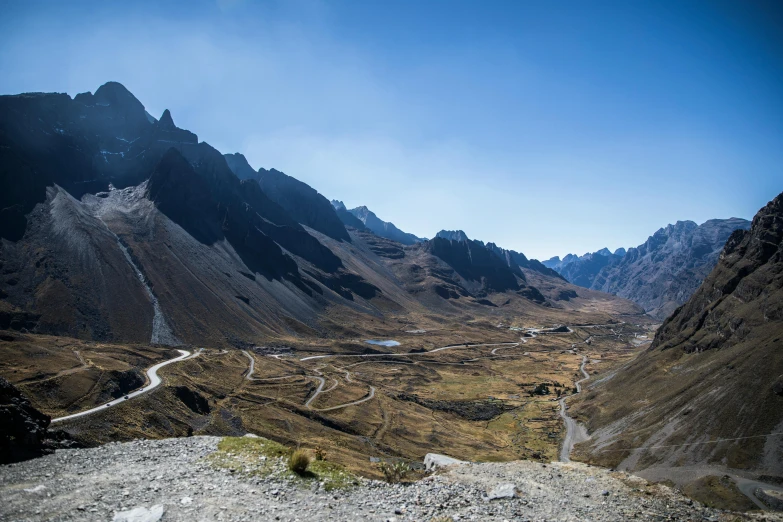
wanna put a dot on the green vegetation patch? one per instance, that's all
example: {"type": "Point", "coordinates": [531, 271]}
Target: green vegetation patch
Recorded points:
{"type": "Point", "coordinates": [263, 457]}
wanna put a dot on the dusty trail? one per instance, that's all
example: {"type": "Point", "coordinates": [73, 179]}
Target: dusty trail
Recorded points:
{"type": "Point", "coordinates": [154, 382]}
{"type": "Point", "coordinates": [574, 431]}
{"type": "Point", "coordinates": [321, 384]}
{"type": "Point", "coordinates": [62, 373]}
{"type": "Point", "coordinates": [364, 399]}
{"type": "Point", "coordinates": [251, 370]}
{"type": "Point", "coordinates": [320, 390]}
{"type": "Point", "coordinates": [451, 346]}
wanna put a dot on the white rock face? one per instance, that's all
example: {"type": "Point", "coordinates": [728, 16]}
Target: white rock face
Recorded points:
{"type": "Point", "coordinates": [434, 460]}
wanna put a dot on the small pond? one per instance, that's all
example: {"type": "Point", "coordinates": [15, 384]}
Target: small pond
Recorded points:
{"type": "Point", "coordinates": [382, 343]}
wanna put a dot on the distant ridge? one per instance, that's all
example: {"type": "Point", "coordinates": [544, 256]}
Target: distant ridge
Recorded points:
{"type": "Point", "coordinates": [380, 227]}
{"type": "Point", "coordinates": [453, 235]}
{"type": "Point", "coordinates": [659, 274]}
{"type": "Point", "coordinates": [664, 271]}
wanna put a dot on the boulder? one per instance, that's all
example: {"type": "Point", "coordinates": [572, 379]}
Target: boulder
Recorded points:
{"type": "Point", "coordinates": [433, 461]}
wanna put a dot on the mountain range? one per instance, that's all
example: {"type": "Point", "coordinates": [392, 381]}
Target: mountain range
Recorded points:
{"type": "Point", "coordinates": [371, 222]}
{"type": "Point", "coordinates": [123, 235]}
{"type": "Point", "coordinates": [661, 273]}
{"type": "Point", "coordinates": [120, 227]}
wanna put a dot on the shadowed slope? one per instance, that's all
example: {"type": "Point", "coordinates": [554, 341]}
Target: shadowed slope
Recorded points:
{"type": "Point", "coordinates": [303, 203]}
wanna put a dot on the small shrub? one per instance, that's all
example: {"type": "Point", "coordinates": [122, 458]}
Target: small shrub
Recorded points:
{"type": "Point", "coordinates": [394, 472]}
{"type": "Point", "coordinates": [298, 461]}
{"type": "Point", "coordinates": [541, 389]}
{"type": "Point", "coordinates": [320, 454]}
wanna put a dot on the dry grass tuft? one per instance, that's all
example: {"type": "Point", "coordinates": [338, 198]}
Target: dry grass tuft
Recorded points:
{"type": "Point", "coordinates": [299, 461]}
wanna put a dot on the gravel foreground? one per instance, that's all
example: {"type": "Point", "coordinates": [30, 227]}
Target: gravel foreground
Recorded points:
{"type": "Point", "coordinates": [170, 480]}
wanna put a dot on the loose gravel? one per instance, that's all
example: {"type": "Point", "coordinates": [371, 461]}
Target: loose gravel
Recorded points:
{"type": "Point", "coordinates": [171, 480]}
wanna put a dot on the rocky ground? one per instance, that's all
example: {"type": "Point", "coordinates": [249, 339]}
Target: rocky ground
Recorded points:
{"type": "Point", "coordinates": [176, 479]}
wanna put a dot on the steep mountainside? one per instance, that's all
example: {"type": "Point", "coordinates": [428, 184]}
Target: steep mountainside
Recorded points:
{"type": "Point", "coordinates": [488, 267]}
{"type": "Point", "coordinates": [303, 202]}
{"type": "Point", "coordinates": [519, 259]}
{"type": "Point", "coordinates": [708, 393]}
{"type": "Point", "coordinates": [513, 260]}
{"type": "Point", "coordinates": [663, 273]}
{"type": "Point", "coordinates": [150, 261]}
{"type": "Point", "coordinates": [383, 228]}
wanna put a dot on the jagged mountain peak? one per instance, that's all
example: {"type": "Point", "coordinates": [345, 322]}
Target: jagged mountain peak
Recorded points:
{"type": "Point", "coordinates": [115, 93]}
{"type": "Point", "coordinates": [166, 121]}
{"type": "Point", "coordinates": [620, 252]}
{"type": "Point", "coordinates": [380, 227]}
{"type": "Point", "coordinates": [240, 167]}
{"type": "Point", "coordinates": [453, 235]}
{"type": "Point", "coordinates": [338, 205]}
{"type": "Point", "coordinates": [362, 209]}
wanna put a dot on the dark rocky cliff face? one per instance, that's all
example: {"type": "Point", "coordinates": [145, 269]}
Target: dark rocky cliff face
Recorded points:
{"type": "Point", "coordinates": [473, 262]}
{"type": "Point", "coordinates": [240, 167]}
{"type": "Point", "coordinates": [663, 273]}
{"type": "Point", "coordinates": [24, 432]}
{"type": "Point", "coordinates": [303, 203]}
{"type": "Point", "coordinates": [519, 259]}
{"type": "Point", "coordinates": [22, 427]}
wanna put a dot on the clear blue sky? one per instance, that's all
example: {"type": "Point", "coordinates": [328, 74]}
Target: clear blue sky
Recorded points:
{"type": "Point", "coordinates": [544, 126]}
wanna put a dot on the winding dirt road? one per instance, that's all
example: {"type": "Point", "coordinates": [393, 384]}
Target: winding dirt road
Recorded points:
{"type": "Point", "coordinates": [152, 377]}
{"type": "Point", "coordinates": [575, 432]}
{"type": "Point", "coordinates": [405, 354]}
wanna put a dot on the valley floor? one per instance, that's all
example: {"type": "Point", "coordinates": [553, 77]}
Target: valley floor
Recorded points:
{"type": "Point", "coordinates": [180, 479]}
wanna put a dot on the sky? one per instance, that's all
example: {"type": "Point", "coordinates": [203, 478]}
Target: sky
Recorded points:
{"type": "Point", "coordinates": [544, 126]}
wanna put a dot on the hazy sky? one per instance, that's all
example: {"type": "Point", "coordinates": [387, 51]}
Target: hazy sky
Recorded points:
{"type": "Point", "coordinates": [545, 126]}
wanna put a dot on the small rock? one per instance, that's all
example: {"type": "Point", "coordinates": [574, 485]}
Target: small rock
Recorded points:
{"type": "Point", "coordinates": [506, 490]}
{"type": "Point", "coordinates": [186, 501]}
{"type": "Point", "coordinates": [140, 514]}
